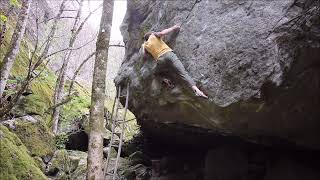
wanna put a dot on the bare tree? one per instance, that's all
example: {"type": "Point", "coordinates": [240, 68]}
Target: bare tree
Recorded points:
{"type": "Point", "coordinates": [62, 74]}
{"type": "Point", "coordinates": [95, 147]}
{"type": "Point", "coordinates": [60, 83]}
{"type": "Point", "coordinates": [71, 94]}
{"type": "Point", "coordinates": [14, 47]}
{"type": "Point", "coordinates": [35, 61]}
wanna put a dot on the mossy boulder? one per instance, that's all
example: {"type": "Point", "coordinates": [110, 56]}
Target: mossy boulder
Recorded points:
{"type": "Point", "coordinates": [35, 136]}
{"type": "Point", "coordinates": [68, 165]}
{"type": "Point", "coordinates": [15, 162]}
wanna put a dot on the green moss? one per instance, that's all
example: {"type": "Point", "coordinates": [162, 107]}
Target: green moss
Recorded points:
{"type": "Point", "coordinates": [41, 98]}
{"type": "Point", "coordinates": [15, 162]}
{"type": "Point", "coordinates": [78, 106]}
{"type": "Point", "coordinates": [62, 162]}
{"type": "Point", "coordinates": [20, 65]}
{"type": "Point", "coordinates": [36, 137]}
{"type": "Point", "coordinates": [42, 88]}
{"type": "Point", "coordinates": [40, 164]}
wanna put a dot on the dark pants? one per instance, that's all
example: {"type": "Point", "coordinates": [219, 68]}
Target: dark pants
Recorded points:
{"type": "Point", "coordinates": [169, 61]}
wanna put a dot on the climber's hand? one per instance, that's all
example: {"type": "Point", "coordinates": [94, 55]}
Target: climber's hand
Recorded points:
{"type": "Point", "coordinates": [177, 27]}
{"type": "Point", "coordinates": [158, 34]}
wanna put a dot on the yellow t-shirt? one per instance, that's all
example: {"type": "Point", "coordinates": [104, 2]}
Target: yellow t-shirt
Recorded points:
{"type": "Point", "coordinates": [156, 46]}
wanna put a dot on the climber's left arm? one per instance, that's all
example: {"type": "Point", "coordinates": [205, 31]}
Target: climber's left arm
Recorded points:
{"type": "Point", "coordinates": [167, 31]}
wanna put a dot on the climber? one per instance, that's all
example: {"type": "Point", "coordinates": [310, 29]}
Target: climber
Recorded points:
{"type": "Point", "coordinates": [164, 55]}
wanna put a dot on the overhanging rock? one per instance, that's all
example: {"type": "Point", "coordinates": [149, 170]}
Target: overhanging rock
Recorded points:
{"type": "Point", "coordinates": [256, 60]}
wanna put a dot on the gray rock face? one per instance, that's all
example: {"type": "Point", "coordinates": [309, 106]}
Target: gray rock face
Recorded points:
{"type": "Point", "coordinates": [257, 60]}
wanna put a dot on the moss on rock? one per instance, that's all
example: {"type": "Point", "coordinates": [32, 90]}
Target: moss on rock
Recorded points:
{"type": "Point", "coordinates": [36, 137]}
{"type": "Point", "coordinates": [15, 162]}
{"type": "Point", "coordinates": [69, 165]}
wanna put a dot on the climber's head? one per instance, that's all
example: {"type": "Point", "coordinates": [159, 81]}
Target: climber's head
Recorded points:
{"type": "Point", "coordinates": [147, 35]}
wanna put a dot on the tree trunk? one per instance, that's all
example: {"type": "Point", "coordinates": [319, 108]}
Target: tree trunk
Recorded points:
{"type": "Point", "coordinates": [95, 147]}
{"type": "Point", "coordinates": [59, 91]}
{"type": "Point", "coordinates": [14, 44]}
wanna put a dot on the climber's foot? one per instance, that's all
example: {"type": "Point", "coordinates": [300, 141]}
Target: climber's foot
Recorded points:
{"type": "Point", "coordinates": [198, 92]}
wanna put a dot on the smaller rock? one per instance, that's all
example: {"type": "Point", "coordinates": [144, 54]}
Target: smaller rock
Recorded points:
{"type": "Point", "coordinates": [138, 171]}
{"type": "Point", "coordinates": [46, 159]}
{"type": "Point", "coordinates": [11, 124]}
{"type": "Point", "coordinates": [68, 165]}
{"type": "Point", "coordinates": [113, 152]}
{"type": "Point", "coordinates": [139, 158]}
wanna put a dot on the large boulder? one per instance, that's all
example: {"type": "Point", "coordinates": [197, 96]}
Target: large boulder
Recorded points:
{"type": "Point", "coordinates": [257, 60]}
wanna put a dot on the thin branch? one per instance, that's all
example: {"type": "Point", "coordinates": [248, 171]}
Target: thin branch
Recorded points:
{"type": "Point", "coordinates": [86, 19]}
{"type": "Point", "coordinates": [78, 70]}
{"type": "Point", "coordinates": [70, 10]}
{"type": "Point", "coordinates": [71, 49]}
{"type": "Point", "coordinates": [63, 17]}
{"type": "Point", "coordinates": [64, 101]}
{"type": "Point", "coordinates": [116, 45]}
{"type": "Point", "coordinates": [35, 47]}
{"type": "Point", "coordinates": [45, 66]}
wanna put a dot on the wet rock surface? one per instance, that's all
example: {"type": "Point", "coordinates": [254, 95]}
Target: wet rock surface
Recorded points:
{"type": "Point", "coordinates": [255, 60]}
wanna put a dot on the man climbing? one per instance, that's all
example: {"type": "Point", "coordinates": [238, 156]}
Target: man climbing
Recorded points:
{"type": "Point", "coordinates": [164, 55]}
